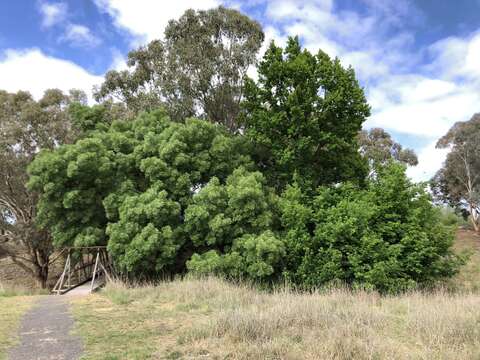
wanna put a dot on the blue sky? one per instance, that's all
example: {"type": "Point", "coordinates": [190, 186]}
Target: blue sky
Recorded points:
{"type": "Point", "coordinates": [419, 61]}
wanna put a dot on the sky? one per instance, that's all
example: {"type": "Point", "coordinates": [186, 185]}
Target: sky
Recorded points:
{"type": "Point", "coordinates": [418, 60]}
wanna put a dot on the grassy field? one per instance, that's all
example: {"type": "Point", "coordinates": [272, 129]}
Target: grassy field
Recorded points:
{"type": "Point", "coordinates": [209, 318]}
{"type": "Point", "coordinates": [13, 304]}
{"type": "Point", "coordinates": [193, 319]}
{"type": "Point", "coordinates": [213, 319]}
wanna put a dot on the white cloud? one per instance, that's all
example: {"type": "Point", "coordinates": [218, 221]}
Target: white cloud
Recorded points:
{"type": "Point", "coordinates": [430, 160]}
{"type": "Point", "coordinates": [320, 10]}
{"type": "Point", "coordinates": [79, 35]}
{"type": "Point", "coordinates": [34, 71]}
{"type": "Point", "coordinates": [119, 62]}
{"type": "Point", "coordinates": [420, 106]}
{"type": "Point", "coordinates": [147, 19]}
{"type": "Point", "coordinates": [52, 13]}
{"type": "Point", "coordinates": [456, 57]}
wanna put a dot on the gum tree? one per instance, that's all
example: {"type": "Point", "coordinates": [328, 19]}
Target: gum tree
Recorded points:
{"type": "Point", "coordinates": [198, 69]}
{"type": "Point", "coordinates": [458, 181]}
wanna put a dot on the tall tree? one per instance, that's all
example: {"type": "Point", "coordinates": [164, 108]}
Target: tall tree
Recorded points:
{"type": "Point", "coordinates": [26, 126]}
{"type": "Point", "coordinates": [197, 70]}
{"type": "Point", "coordinates": [458, 181]}
{"type": "Point", "coordinates": [304, 114]}
{"type": "Point", "coordinates": [378, 147]}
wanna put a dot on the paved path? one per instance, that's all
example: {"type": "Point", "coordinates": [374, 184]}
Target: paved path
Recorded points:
{"type": "Point", "coordinates": [85, 289]}
{"type": "Point", "coordinates": [45, 332]}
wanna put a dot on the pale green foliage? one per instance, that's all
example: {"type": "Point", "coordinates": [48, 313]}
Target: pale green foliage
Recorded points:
{"type": "Point", "coordinates": [131, 185]}
{"type": "Point", "coordinates": [233, 221]}
{"type": "Point", "coordinates": [251, 256]}
{"type": "Point", "coordinates": [146, 235]}
{"type": "Point", "coordinates": [220, 213]}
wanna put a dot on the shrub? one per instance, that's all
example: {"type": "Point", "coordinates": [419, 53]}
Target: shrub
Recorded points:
{"type": "Point", "coordinates": [387, 236]}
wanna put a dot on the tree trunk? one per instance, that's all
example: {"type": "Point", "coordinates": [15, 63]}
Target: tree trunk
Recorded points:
{"type": "Point", "coordinates": [474, 223]}
{"type": "Point", "coordinates": [41, 276]}
{"type": "Point", "coordinates": [474, 217]}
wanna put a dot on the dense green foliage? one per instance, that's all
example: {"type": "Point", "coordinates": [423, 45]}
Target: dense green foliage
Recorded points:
{"type": "Point", "coordinates": [286, 196]}
{"type": "Point", "coordinates": [387, 236]}
{"type": "Point", "coordinates": [166, 196]}
{"type": "Point", "coordinates": [133, 183]}
{"type": "Point", "coordinates": [303, 115]}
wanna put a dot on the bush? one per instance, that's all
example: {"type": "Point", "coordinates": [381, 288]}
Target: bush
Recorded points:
{"type": "Point", "coordinates": [130, 187]}
{"type": "Point", "coordinates": [449, 217]}
{"type": "Point", "coordinates": [387, 237]}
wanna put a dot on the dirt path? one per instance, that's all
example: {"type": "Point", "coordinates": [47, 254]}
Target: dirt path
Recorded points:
{"type": "Point", "coordinates": [45, 332]}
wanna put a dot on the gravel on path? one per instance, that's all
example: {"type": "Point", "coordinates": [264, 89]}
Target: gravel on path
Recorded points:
{"type": "Point", "coordinates": [45, 332]}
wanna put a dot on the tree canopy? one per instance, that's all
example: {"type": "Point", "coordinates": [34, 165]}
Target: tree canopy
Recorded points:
{"type": "Point", "coordinates": [303, 115]}
{"type": "Point", "coordinates": [197, 70]}
{"type": "Point", "coordinates": [132, 185]}
{"type": "Point", "coordinates": [378, 147]}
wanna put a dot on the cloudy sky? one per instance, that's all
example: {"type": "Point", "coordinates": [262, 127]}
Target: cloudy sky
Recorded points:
{"type": "Point", "coordinates": [418, 60]}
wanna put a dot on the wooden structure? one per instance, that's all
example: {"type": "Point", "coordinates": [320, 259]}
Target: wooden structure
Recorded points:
{"type": "Point", "coordinates": [84, 264]}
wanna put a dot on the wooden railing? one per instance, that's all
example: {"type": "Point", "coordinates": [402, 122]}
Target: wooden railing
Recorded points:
{"type": "Point", "coordinates": [84, 264]}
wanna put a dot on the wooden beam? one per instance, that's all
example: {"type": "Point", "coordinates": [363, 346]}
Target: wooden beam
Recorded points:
{"type": "Point", "coordinates": [94, 272]}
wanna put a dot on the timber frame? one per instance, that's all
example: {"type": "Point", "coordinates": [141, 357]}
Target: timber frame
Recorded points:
{"type": "Point", "coordinates": [84, 264]}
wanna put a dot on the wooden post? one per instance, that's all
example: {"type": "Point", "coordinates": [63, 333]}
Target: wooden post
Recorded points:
{"type": "Point", "coordinates": [94, 271]}
{"type": "Point", "coordinates": [69, 282]}
{"type": "Point", "coordinates": [62, 278]}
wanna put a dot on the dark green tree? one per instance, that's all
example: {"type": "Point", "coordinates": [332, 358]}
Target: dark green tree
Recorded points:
{"type": "Point", "coordinates": [303, 115]}
{"type": "Point", "coordinates": [197, 70]}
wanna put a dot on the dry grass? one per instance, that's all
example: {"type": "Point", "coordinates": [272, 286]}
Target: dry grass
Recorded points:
{"type": "Point", "coordinates": [11, 310]}
{"type": "Point", "coordinates": [191, 319]}
{"type": "Point", "coordinates": [210, 318]}
{"type": "Point", "coordinates": [469, 277]}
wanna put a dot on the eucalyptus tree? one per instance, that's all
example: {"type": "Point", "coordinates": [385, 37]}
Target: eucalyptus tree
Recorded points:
{"type": "Point", "coordinates": [458, 181]}
{"type": "Point", "coordinates": [378, 147]}
{"type": "Point", "coordinates": [198, 69]}
{"type": "Point", "coordinates": [27, 126]}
